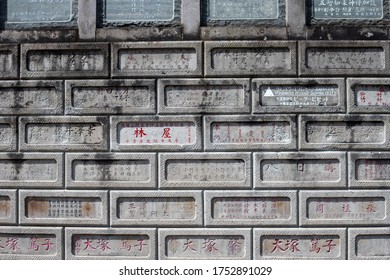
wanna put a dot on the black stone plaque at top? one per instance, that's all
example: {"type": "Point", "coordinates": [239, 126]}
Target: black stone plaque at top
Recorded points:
{"type": "Point", "coordinates": [348, 9]}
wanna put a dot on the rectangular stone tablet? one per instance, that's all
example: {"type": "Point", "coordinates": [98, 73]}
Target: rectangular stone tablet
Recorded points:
{"type": "Point", "coordinates": [9, 60]}
{"type": "Point", "coordinates": [352, 10]}
{"type": "Point", "coordinates": [7, 133]}
{"type": "Point", "coordinates": [8, 207]}
{"type": "Point", "coordinates": [369, 244]}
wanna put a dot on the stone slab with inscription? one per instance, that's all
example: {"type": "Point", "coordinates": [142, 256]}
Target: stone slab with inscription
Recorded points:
{"type": "Point", "coordinates": [110, 244]}
{"type": "Point", "coordinates": [151, 59]}
{"type": "Point", "coordinates": [8, 207]}
{"type": "Point", "coordinates": [340, 58]}
{"type": "Point", "coordinates": [156, 133]}
{"type": "Point", "coordinates": [150, 208]}
{"type": "Point", "coordinates": [72, 60]}
{"type": "Point", "coordinates": [205, 244]}
{"type": "Point", "coordinates": [300, 170]}
{"type": "Point", "coordinates": [298, 95]}
{"type": "Point", "coordinates": [264, 132]}
{"type": "Point", "coordinates": [29, 170]}
{"type": "Point", "coordinates": [185, 96]}
{"type": "Point", "coordinates": [250, 58]}
{"type": "Point", "coordinates": [369, 243]}
{"type": "Point", "coordinates": [259, 208]}
{"type": "Point", "coordinates": [308, 244]}
{"type": "Point", "coordinates": [345, 132]}
{"type": "Point", "coordinates": [63, 207]}
{"type": "Point", "coordinates": [9, 60]}
{"type": "Point", "coordinates": [130, 171]}
{"type": "Point", "coordinates": [205, 170]}
{"type": "Point", "coordinates": [63, 133]}
{"type": "Point", "coordinates": [335, 208]}
{"type": "Point", "coordinates": [7, 133]}
{"type": "Point", "coordinates": [30, 243]}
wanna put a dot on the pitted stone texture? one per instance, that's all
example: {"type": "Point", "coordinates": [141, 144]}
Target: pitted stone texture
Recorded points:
{"type": "Point", "coordinates": [8, 207]}
{"type": "Point", "coordinates": [295, 244]}
{"type": "Point", "coordinates": [8, 134]}
{"type": "Point", "coordinates": [369, 243]}
{"type": "Point", "coordinates": [186, 96]}
{"type": "Point", "coordinates": [205, 170]}
{"type": "Point", "coordinates": [341, 208]}
{"type": "Point", "coordinates": [298, 95]}
{"type": "Point", "coordinates": [300, 170]}
{"type": "Point", "coordinates": [150, 208]}
{"type": "Point", "coordinates": [264, 132]}
{"type": "Point", "coordinates": [205, 244]}
{"type": "Point", "coordinates": [259, 208]}
{"type": "Point", "coordinates": [9, 61]}
{"type": "Point", "coordinates": [30, 243]}
{"type": "Point", "coordinates": [110, 97]}
{"type": "Point", "coordinates": [110, 244]}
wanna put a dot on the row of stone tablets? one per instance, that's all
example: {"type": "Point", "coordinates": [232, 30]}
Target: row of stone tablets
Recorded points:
{"type": "Point", "coordinates": [100, 243]}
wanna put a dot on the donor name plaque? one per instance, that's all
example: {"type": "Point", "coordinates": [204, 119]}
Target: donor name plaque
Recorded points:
{"type": "Point", "coordinates": [348, 9]}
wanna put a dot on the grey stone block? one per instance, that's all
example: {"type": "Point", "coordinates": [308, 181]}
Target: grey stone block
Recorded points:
{"type": "Point", "coordinates": [205, 244]}
{"type": "Point", "coordinates": [63, 133]}
{"type": "Point", "coordinates": [264, 132]}
{"type": "Point", "coordinates": [369, 243]}
{"type": "Point", "coordinates": [70, 208]}
{"type": "Point", "coordinates": [341, 208]}
{"type": "Point", "coordinates": [205, 170]}
{"type": "Point", "coordinates": [71, 60]}
{"type": "Point", "coordinates": [295, 244]}
{"type": "Point", "coordinates": [258, 208]}
{"type": "Point", "coordinates": [8, 134]}
{"type": "Point", "coordinates": [300, 170]}
{"type": "Point", "coordinates": [110, 244]}
{"type": "Point", "coordinates": [30, 243]}
{"type": "Point", "coordinates": [87, 19]}
{"type": "Point", "coordinates": [244, 32]}
{"type": "Point", "coordinates": [250, 58]}
{"type": "Point", "coordinates": [8, 207]}
{"type": "Point", "coordinates": [156, 133]}
{"type": "Point", "coordinates": [190, 17]}
{"type": "Point", "coordinates": [9, 61]}
{"type": "Point", "coordinates": [130, 171]}
{"type": "Point", "coordinates": [298, 95]}
{"type": "Point", "coordinates": [150, 208]}
{"type": "Point", "coordinates": [110, 97]}
{"type": "Point", "coordinates": [151, 59]}
{"type": "Point", "coordinates": [296, 22]}
{"type": "Point", "coordinates": [187, 96]}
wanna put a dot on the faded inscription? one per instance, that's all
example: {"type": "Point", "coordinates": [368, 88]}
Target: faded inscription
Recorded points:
{"type": "Point", "coordinates": [28, 244]}
{"type": "Point", "coordinates": [5, 134]}
{"type": "Point", "coordinates": [5, 207]}
{"type": "Point", "coordinates": [372, 169]}
{"type": "Point", "coordinates": [348, 9]}
{"type": "Point", "coordinates": [5, 61]}
{"type": "Point", "coordinates": [372, 95]}
{"type": "Point", "coordinates": [28, 170]}
{"type": "Point", "coordinates": [28, 98]}
{"type": "Point", "coordinates": [372, 245]}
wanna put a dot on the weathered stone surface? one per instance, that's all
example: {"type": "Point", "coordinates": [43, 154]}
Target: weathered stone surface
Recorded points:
{"type": "Point", "coordinates": [369, 244]}
{"type": "Point", "coordinates": [284, 244]}
{"type": "Point", "coordinates": [178, 208]}
{"type": "Point", "coordinates": [8, 207]}
{"type": "Point", "coordinates": [204, 244]}
{"type": "Point", "coordinates": [300, 170]}
{"type": "Point", "coordinates": [7, 134]}
{"type": "Point", "coordinates": [9, 61]}
{"type": "Point", "coordinates": [353, 10]}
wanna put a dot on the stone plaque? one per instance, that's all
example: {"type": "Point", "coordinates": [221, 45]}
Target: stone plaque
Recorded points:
{"type": "Point", "coordinates": [5, 207]}
{"type": "Point", "coordinates": [25, 243]}
{"type": "Point", "coordinates": [349, 9]}
{"type": "Point", "coordinates": [42, 11]}
{"type": "Point", "coordinates": [369, 244]}
{"type": "Point", "coordinates": [156, 133]}
{"type": "Point", "coordinates": [7, 133]}
{"type": "Point", "coordinates": [203, 96]}
{"type": "Point", "coordinates": [344, 208]}
{"type": "Point", "coordinates": [63, 207]}
{"type": "Point", "coordinates": [250, 58]}
{"type": "Point", "coordinates": [139, 10]}
{"type": "Point", "coordinates": [307, 244]}
{"type": "Point", "coordinates": [111, 170]}
{"type": "Point", "coordinates": [299, 170]}
{"type": "Point", "coordinates": [9, 61]}
{"type": "Point", "coordinates": [205, 244]}
{"type": "Point", "coordinates": [99, 243]}
{"type": "Point", "coordinates": [111, 97]}
{"type": "Point", "coordinates": [8, 207]}
{"type": "Point", "coordinates": [243, 9]}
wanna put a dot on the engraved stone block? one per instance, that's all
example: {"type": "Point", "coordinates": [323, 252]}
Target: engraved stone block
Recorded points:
{"type": "Point", "coordinates": [110, 97]}
{"type": "Point", "coordinates": [110, 244]}
{"type": "Point", "coordinates": [369, 244]}
{"type": "Point", "coordinates": [64, 60]}
{"type": "Point", "coordinates": [30, 243]}
{"type": "Point", "coordinates": [63, 207]}
{"type": "Point", "coordinates": [184, 96]}
{"type": "Point", "coordinates": [155, 133]}
{"type": "Point", "coordinates": [9, 61]}
{"type": "Point", "coordinates": [344, 58]}
{"type": "Point", "coordinates": [123, 170]}
{"type": "Point", "coordinates": [63, 133]}
{"type": "Point", "coordinates": [31, 170]}
{"type": "Point", "coordinates": [7, 207]}
{"type": "Point", "coordinates": [149, 59]}
{"type": "Point", "coordinates": [250, 208]}
{"type": "Point", "coordinates": [205, 170]}
{"type": "Point", "coordinates": [300, 170]}
{"type": "Point", "coordinates": [344, 208]}
{"type": "Point", "coordinates": [264, 132]}
{"type": "Point", "coordinates": [7, 133]}
{"type": "Point", "coordinates": [178, 208]}
{"type": "Point", "coordinates": [298, 95]}
{"type": "Point", "coordinates": [308, 244]}
{"type": "Point", "coordinates": [203, 244]}
{"type": "Point", "coordinates": [335, 132]}
{"type": "Point", "coordinates": [250, 58]}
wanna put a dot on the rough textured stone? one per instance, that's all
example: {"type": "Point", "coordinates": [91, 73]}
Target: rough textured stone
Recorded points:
{"type": "Point", "coordinates": [8, 204]}
{"type": "Point", "coordinates": [369, 244]}
{"type": "Point", "coordinates": [8, 134]}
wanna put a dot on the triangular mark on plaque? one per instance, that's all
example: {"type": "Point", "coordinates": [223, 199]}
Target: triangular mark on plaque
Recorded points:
{"type": "Point", "coordinates": [269, 92]}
